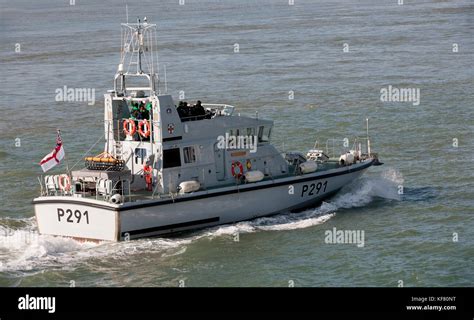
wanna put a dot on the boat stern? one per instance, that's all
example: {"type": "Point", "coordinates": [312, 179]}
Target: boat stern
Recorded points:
{"type": "Point", "coordinates": [81, 219]}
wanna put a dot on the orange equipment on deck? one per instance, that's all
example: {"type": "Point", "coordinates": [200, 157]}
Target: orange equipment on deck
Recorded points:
{"type": "Point", "coordinates": [104, 161]}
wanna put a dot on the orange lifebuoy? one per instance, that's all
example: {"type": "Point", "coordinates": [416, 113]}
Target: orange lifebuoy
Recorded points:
{"type": "Point", "coordinates": [241, 169]}
{"type": "Point", "coordinates": [141, 126]}
{"type": "Point", "coordinates": [133, 127]}
{"type": "Point", "coordinates": [66, 184]}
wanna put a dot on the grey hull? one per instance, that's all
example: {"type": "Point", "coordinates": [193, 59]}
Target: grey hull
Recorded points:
{"type": "Point", "coordinates": [247, 202]}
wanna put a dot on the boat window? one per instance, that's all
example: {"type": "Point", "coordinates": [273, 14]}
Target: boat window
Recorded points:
{"type": "Point", "coordinates": [171, 158]}
{"type": "Point", "coordinates": [140, 154]}
{"type": "Point", "coordinates": [237, 132]}
{"type": "Point", "coordinates": [260, 134]}
{"type": "Point", "coordinates": [189, 154]}
{"type": "Point", "coordinates": [264, 134]}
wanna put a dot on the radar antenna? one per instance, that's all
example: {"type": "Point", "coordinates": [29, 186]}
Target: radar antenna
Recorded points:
{"type": "Point", "coordinates": [137, 59]}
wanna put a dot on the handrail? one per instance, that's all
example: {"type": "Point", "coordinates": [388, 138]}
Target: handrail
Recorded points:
{"type": "Point", "coordinates": [196, 117]}
{"type": "Point", "coordinates": [356, 141]}
{"type": "Point", "coordinates": [331, 154]}
{"type": "Point", "coordinates": [217, 105]}
{"type": "Point", "coordinates": [225, 109]}
{"type": "Point", "coordinates": [212, 110]}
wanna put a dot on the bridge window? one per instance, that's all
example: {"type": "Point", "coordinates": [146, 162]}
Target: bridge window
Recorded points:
{"type": "Point", "coordinates": [264, 134]}
{"type": "Point", "coordinates": [171, 158]}
{"type": "Point", "coordinates": [189, 154]}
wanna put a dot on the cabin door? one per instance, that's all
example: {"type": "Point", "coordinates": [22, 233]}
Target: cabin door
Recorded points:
{"type": "Point", "coordinates": [219, 158]}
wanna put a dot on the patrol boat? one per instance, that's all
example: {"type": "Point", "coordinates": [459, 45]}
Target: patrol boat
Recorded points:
{"type": "Point", "coordinates": [167, 169]}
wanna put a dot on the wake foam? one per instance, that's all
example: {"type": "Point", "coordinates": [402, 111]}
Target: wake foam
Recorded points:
{"type": "Point", "coordinates": [364, 190]}
{"type": "Point", "coordinates": [358, 194]}
{"type": "Point", "coordinates": [22, 249]}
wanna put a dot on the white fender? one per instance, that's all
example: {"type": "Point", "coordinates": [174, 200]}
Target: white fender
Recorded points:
{"type": "Point", "coordinates": [346, 159]}
{"type": "Point", "coordinates": [189, 186]}
{"type": "Point", "coordinates": [116, 198]}
{"type": "Point", "coordinates": [308, 166]}
{"type": "Point", "coordinates": [254, 176]}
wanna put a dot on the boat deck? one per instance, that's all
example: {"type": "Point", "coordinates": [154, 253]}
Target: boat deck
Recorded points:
{"type": "Point", "coordinates": [141, 195]}
{"type": "Point", "coordinates": [144, 195]}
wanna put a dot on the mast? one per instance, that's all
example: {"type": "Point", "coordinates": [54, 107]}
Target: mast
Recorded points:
{"type": "Point", "coordinates": [136, 70]}
{"type": "Point", "coordinates": [368, 138]}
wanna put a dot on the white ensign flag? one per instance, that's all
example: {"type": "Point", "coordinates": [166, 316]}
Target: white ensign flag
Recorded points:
{"type": "Point", "coordinates": [54, 157]}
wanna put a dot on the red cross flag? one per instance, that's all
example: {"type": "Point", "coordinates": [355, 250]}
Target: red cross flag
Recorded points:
{"type": "Point", "coordinates": [54, 157]}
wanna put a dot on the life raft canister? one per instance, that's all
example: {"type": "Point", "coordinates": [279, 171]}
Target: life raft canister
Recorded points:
{"type": "Point", "coordinates": [64, 182]}
{"type": "Point", "coordinates": [240, 171]}
{"type": "Point", "coordinates": [144, 128]}
{"type": "Point", "coordinates": [129, 127]}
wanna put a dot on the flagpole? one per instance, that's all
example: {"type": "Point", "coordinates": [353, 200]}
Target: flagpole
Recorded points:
{"type": "Point", "coordinates": [65, 156]}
